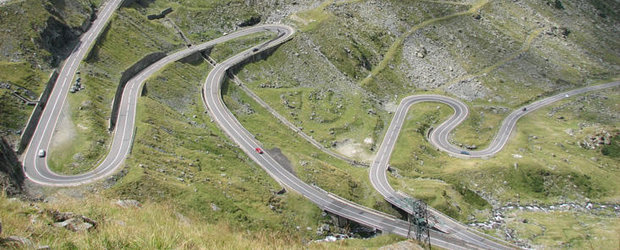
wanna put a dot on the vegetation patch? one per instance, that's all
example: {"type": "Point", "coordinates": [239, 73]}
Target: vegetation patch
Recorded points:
{"type": "Point", "coordinates": [613, 149]}
{"type": "Point", "coordinates": [89, 109]}
{"type": "Point", "coordinates": [310, 164]}
{"type": "Point", "coordinates": [180, 157]}
{"type": "Point", "coordinates": [227, 49]}
{"type": "Point", "coordinates": [130, 227]}
{"type": "Point", "coordinates": [417, 172]}
{"type": "Point", "coordinates": [338, 79]}
{"type": "Point", "coordinates": [538, 165]}
{"type": "Point", "coordinates": [30, 45]}
{"type": "Point", "coordinates": [565, 229]}
{"type": "Point", "coordinates": [542, 183]}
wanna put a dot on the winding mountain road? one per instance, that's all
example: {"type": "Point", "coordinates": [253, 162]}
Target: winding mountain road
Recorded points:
{"type": "Point", "coordinates": [439, 138]}
{"type": "Point", "coordinates": [36, 169]}
{"type": "Point", "coordinates": [228, 122]}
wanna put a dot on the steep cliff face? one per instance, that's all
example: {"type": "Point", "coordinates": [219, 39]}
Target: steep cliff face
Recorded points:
{"type": "Point", "coordinates": [67, 21]}
{"type": "Point", "coordinates": [11, 174]}
{"type": "Point", "coordinates": [42, 32]}
{"type": "Point", "coordinates": [57, 38]}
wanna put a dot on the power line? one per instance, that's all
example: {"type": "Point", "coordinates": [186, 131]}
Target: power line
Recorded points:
{"type": "Point", "coordinates": [418, 219]}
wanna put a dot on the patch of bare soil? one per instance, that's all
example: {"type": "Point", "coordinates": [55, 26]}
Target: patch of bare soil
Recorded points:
{"type": "Point", "coordinates": [65, 129]}
{"type": "Point", "coordinates": [353, 149]}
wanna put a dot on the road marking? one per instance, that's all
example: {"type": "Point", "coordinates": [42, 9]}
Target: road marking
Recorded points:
{"type": "Point", "coordinates": [229, 124]}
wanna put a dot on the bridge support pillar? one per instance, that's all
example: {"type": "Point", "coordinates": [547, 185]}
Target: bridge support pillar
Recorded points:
{"type": "Point", "coordinates": [350, 227]}
{"type": "Point", "coordinates": [403, 214]}
{"type": "Point", "coordinates": [339, 221]}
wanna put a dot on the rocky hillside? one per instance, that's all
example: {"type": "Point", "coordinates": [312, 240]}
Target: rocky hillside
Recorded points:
{"type": "Point", "coordinates": [338, 80]}
{"type": "Point", "coordinates": [35, 36]}
{"type": "Point", "coordinates": [51, 31]}
{"type": "Point", "coordinates": [11, 175]}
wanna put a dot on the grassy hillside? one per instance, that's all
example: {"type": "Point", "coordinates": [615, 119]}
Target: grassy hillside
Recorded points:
{"type": "Point", "coordinates": [153, 225]}
{"type": "Point", "coordinates": [546, 162]}
{"type": "Point", "coordinates": [129, 37]}
{"type": "Point", "coordinates": [340, 78]}
{"type": "Point", "coordinates": [35, 36]}
{"type": "Point", "coordinates": [355, 69]}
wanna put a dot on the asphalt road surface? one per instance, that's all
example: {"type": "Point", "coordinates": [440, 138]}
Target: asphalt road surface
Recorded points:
{"type": "Point", "coordinates": [439, 138]}
{"type": "Point", "coordinates": [36, 169]}
{"type": "Point", "coordinates": [228, 122]}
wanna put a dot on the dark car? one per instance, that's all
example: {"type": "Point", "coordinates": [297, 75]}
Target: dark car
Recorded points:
{"type": "Point", "coordinates": [524, 109]}
{"type": "Point", "coordinates": [464, 152]}
{"type": "Point", "coordinates": [259, 150]}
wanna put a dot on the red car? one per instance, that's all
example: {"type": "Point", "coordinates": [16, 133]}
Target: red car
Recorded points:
{"type": "Point", "coordinates": [258, 150]}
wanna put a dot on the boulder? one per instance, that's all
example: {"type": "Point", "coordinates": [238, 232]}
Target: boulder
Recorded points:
{"type": "Point", "coordinates": [214, 207]}
{"type": "Point", "coordinates": [128, 203]}
{"type": "Point", "coordinates": [16, 242]}
{"type": "Point", "coordinates": [71, 221]}
{"type": "Point", "coordinates": [75, 225]}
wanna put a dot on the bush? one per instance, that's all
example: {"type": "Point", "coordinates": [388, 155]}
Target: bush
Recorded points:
{"type": "Point", "coordinates": [613, 149]}
{"type": "Point", "coordinates": [471, 197]}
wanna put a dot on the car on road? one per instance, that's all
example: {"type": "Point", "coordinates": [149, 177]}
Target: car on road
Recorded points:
{"type": "Point", "coordinates": [259, 150]}
{"type": "Point", "coordinates": [566, 95]}
{"type": "Point", "coordinates": [41, 153]}
{"type": "Point", "coordinates": [524, 109]}
{"type": "Point", "coordinates": [464, 152]}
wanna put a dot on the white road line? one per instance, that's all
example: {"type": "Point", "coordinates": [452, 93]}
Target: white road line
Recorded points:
{"type": "Point", "coordinates": [120, 144]}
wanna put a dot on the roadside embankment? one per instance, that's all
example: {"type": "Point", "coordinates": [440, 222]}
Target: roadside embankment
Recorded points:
{"type": "Point", "coordinates": [125, 77]}
{"type": "Point", "coordinates": [31, 125]}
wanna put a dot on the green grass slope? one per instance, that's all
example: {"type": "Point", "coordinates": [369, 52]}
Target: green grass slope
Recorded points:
{"type": "Point", "coordinates": [35, 36]}
{"type": "Point", "coordinates": [340, 79]}
{"type": "Point", "coordinates": [153, 225]}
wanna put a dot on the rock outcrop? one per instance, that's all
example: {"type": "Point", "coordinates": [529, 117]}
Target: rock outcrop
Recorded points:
{"type": "Point", "coordinates": [11, 173]}
{"type": "Point", "coordinates": [71, 221]}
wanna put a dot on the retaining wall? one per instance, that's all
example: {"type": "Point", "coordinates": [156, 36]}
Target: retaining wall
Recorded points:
{"type": "Point", "coordinates": [31, 125]}
{"type": "Point", "coordinates": [125, 77]}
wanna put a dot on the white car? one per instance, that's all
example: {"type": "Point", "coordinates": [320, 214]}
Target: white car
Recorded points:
{"type": "Point", "coordinates": [566, 95]}
{"type": "Point", "coordinates": [41, 153]}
